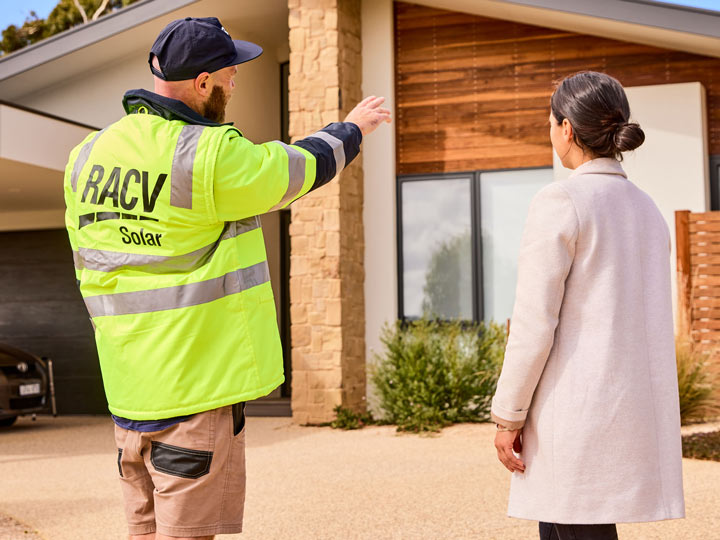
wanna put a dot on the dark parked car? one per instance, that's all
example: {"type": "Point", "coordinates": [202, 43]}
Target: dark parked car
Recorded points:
{"type": "Point", "coordinates": [26, 385]}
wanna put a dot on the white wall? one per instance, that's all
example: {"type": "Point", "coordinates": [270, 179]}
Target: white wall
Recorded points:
{"type": "Point", "coordinates": [96, 97]}
{"type": "Point", "coordinates": [379, 173]}
{"type": "Point", "coordinates": [672, 164]}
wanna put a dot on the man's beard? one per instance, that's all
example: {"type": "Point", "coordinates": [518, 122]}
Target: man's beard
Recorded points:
{"type": "Point", "coordinates": [214, 107]}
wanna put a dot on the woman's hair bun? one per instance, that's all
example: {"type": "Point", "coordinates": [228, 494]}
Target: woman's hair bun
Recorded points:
{"type": "Point", "coordinates": [596, 106]}
{"type": "Point", "coordinates": [628, 137]}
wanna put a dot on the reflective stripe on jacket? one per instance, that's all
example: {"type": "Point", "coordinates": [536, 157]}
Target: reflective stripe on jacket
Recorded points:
{"type": "Point", "coordinates": [169, 254]}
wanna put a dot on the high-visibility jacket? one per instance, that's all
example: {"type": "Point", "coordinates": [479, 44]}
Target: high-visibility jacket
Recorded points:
{"type": "Point", "coordinates": [169, 254]}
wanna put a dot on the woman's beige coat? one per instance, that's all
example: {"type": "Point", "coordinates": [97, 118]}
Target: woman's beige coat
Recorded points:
{"type": "Point", "coordinates": [590, 363]}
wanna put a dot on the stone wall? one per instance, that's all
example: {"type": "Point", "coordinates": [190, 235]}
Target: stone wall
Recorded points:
{"type": "Point", "coordinates": [327, 244]}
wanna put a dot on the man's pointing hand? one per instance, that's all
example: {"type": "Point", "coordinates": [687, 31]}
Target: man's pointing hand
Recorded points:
{"type": "Point", "coordinates": [368, 115]}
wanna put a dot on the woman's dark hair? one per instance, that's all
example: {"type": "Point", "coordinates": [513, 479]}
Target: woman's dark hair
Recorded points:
{"type": "Point", "coordinates": [596, 106]}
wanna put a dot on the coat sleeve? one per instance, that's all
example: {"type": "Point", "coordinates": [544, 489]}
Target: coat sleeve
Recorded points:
{"type": "Point", "coordinates": [252, 179]}
{"type": "Point", "coordinates": [546, 256]}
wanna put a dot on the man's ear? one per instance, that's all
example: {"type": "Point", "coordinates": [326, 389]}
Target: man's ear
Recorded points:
{"type": "Point", "coordinates": [202, 84]}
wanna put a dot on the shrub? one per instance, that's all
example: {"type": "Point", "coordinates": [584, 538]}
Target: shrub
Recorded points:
{"type": "Point", "coordinates": [347, 419]}
{"type": "Point", "coordinates": [697, 388]}
{"type": "Point", "coordinates": [437, 373]}
{"type": "Point", "coordinates": [702, 446]}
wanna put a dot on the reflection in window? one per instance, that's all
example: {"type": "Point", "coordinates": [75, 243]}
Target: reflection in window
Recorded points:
{"type": "Point", "coordinates": [505, 200]}
{"type": "Point", "coordinates": [437, 248]}
{"type": "Point", "coordinates": [441, 219]}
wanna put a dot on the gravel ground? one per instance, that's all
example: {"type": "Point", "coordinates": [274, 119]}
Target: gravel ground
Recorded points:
{"type": "Point", "coordinates": [58, 476]}
{"type": "Point", "coordinates": [11, 529]}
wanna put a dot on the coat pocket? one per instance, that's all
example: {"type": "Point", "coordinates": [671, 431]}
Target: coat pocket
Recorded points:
{"type": "Point", "coordinates": [182, 462]}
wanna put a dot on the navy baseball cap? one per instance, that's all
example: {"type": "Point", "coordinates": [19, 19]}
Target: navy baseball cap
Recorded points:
{"type": "Point", "coordinates": [188, 47]}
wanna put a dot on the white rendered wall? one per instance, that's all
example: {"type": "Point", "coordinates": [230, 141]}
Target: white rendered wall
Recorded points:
{"type": "Point", "coordinates": [379, 212]}
{"type": "Point", "coordinates": [672, 165]}
{"type": "Point", "coordinates": [96, 98]}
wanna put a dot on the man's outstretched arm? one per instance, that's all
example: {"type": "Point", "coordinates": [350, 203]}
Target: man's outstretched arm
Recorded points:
{"type": "Point", "coordinates": [252, 179]}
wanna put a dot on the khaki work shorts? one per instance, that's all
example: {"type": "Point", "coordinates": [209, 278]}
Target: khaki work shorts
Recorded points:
{"type": "Point", "coordinates": [188, 479]}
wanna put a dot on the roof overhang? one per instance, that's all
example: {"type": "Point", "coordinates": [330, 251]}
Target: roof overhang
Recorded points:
{"type": "Point", "coordinates": [635, 21]}
{"type": "Point", "coordinates": [93, 45]}
{"type": "Point", "coordinates": [82, 36]}
{"type": "Point", "coordinates": [121, 35]}
{"type": "Point", "coordinates": [31, 175]}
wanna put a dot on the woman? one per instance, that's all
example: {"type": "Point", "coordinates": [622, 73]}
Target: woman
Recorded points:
{"type": "Point", "coordinates": [588, 393]}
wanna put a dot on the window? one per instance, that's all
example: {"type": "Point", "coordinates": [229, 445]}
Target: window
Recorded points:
{"type": "Point", "coordinates": [437, 246]}
{"type": "Point", "coordinates": [459, 238]}
{"type": "Point", "coordinates": [715, 182]}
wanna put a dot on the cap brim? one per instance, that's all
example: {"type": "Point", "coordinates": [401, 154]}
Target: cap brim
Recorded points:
{"type": "Point", "coordinates": [246, 51]}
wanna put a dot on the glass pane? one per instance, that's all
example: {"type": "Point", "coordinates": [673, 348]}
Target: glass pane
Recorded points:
{"type": "Point", "coordinates": [505, 200]}
{"type": "Point", "coordinates": [437, 248]}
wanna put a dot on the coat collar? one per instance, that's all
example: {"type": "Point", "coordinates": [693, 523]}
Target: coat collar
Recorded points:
{"type": "Point", "coordinates": [170, 109]}
{"type": "Point", "coordinates": [600, 166]}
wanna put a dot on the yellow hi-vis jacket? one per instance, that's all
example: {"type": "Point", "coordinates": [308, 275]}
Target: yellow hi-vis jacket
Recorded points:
{"type": "Point", "coordinates": [162, 213]}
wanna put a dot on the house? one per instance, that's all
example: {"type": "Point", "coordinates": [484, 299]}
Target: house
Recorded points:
{"type": "Point", "coordinates": [429, 216]}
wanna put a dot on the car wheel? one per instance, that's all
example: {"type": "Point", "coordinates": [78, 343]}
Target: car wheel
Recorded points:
{"type": "Point", "coordinates": [7, 422]}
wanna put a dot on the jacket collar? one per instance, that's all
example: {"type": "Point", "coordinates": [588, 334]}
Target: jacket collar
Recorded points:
{"type": "Point", "coordinates": [600, 166]}
{"type": "Point", "coordinates": [168, 108]}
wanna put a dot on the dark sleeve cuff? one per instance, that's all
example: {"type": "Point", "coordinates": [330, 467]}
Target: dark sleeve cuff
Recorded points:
{"type": "Point", "coordinates": [333, 147]}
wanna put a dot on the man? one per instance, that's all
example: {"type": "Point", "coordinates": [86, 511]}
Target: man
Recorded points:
{"type": "Point", "coordinates": [162, 213]}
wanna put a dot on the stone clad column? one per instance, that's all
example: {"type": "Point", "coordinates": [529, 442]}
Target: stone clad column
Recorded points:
{"type": "Point", "coordinates": [327, 245]}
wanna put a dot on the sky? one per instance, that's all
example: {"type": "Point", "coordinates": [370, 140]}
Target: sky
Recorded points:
{"type": "Point", "coordinates": [713, 5]}
{"type": "Point", "coordinates": [16, 11]}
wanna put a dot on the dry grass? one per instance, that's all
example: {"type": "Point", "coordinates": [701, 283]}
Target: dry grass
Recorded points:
{"type": "Point", "coordinates": [697, 384]}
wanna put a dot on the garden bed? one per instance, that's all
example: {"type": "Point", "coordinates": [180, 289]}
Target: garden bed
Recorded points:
{"type": "Point", "coordinates": [702, 446]}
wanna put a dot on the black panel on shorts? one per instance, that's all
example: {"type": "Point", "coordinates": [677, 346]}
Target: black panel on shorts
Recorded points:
{"type": "Point", "coordinates": [177, 461]}
{"type": "Point", "coordinates": [238, 413]}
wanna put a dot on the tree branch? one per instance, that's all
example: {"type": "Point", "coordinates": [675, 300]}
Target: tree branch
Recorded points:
{"type": "Point", "coordinates": [81, 10]}
{"type": "Point", "coordinates": [100, 10]}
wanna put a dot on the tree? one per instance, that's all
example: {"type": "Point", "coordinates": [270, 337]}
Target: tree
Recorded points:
{"type": "Point", "coordinates": [66, 14]}
{"type": "Point", "coordinates": [444, 294]}
{"type": "Point", "coordinates": [32, 31]}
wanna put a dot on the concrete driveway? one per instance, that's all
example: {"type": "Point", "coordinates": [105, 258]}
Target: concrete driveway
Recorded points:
{"type": "Point", "coordinates": [58, 479]}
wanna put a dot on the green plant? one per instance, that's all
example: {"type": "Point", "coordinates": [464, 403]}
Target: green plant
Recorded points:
{"type": "Point", "coordinates": [702, 446]}
{"type": "Point", "coordinates": [697, 388]}
{"type": "Point", "coordinates": [347, 419]}
{"type": "Point", "coordinates": [437, 373]}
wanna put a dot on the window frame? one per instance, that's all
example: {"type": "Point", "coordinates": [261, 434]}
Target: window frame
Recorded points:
{"type": "Point", "coordinates": [476, 273]}
{"type": "Point", "coordinates": [715, 182]}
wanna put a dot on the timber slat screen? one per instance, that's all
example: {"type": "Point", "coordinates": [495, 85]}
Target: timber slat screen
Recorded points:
{"type": "Point", "coordinates": [473, 93]}
{"type": "Point", "coordinates": [698, 274]}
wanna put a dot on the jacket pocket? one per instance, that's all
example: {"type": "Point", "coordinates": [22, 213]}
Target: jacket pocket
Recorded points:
{"type": "Point", "coordinates": [177, 461]}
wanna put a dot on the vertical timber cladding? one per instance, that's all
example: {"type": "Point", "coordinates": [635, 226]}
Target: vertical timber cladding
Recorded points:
{"type": "Point", "coordinates": [326, 232]}
{"type": "Point", "coordinates": [473, 93]}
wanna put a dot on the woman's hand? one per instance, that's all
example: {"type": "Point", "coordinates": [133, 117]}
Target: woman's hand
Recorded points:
{"type": "Point", "coordinates": [505, 443]}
